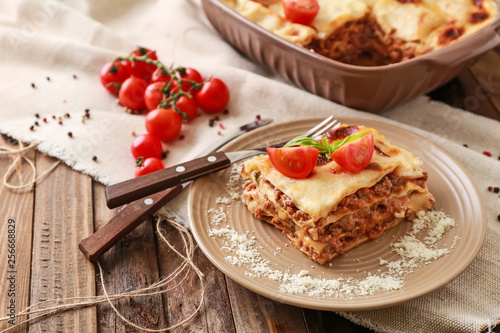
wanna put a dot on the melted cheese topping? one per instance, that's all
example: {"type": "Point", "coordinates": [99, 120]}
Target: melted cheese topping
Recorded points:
{"type": "Point", "coordinates": [320, 193]}
{"type": "Point", "coordinates": [425, 24]}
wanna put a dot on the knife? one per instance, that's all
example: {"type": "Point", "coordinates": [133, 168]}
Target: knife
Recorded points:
{"type": "Point", "coordinates": [136, 212]}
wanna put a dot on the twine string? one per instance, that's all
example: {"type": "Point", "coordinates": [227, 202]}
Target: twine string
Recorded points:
{"type": "Point", "coordinates": [17, 155]}
{"type": "Point", "coordinates": [156, 288]}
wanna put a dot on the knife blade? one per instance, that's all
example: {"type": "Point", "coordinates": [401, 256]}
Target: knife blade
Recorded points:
{"type": "Point", "coordinates": [133, 214]}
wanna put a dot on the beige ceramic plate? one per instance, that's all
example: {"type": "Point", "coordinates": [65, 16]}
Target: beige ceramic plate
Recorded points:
{"type": "Point", "coordinates": [450, 183]}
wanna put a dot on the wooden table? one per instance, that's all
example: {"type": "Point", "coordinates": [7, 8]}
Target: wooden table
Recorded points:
{"type": "Point", "coordinates": [68, 206]}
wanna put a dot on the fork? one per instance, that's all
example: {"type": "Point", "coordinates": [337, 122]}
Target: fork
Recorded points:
{"type": "Point", "coordinates": [136, 188]}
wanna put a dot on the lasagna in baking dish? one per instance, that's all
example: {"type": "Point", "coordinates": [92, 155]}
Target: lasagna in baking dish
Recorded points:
{"type": "Point", "coordinates": [333, 210]}
{"type": "Point", "coordinates": [373, 32]}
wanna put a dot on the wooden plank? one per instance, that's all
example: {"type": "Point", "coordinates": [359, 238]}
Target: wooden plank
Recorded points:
{"type": "Point", "coordinates": [129, 265]}
{"type": "Point", "coordinates": [16, 225]}
{"type": "Point", "coordinates": [215, 315]}
{"type": "Point", "coordinates": [63, 216]}
{"type": "Point", "coordinates": [476, 98]}
{"type": "Point", "coordinates": [324, 321]}
{"type": "Point", "coordinates": [476, 89]}
{"type": "Point", "coordinates": [254, 313]}
{"type": "Point", "coordinates": [481, 84]}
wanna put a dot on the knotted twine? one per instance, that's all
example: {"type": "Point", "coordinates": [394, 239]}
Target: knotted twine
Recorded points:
{"type": "Point", "coordinates": [17, 155]}
{"type": "Point", "coordinates": [40, 310]}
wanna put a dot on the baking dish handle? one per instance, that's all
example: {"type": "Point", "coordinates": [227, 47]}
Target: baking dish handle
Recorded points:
{"type": "Point", "coordinates": [487, 40]}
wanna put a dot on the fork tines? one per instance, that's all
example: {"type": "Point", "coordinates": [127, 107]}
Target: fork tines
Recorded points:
{"type": "Point", "coordinates": [332, 123]}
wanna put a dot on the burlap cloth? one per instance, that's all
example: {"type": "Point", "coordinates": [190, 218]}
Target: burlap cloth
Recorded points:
{"type": "Point", "coordinates": [60, 46]}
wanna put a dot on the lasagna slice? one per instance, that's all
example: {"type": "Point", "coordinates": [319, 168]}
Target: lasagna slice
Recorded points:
{"type": "Point", "coordinates": [334, 210]}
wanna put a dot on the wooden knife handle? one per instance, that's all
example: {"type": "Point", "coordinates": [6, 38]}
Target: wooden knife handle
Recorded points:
{"type": "Point", "coordinates": [136, 188]}
{"type": "Point", "coordinates": [124, 222]}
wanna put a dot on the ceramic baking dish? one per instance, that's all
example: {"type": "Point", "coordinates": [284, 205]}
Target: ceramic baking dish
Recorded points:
{"type": "Point", "coordinates": [372, 89]}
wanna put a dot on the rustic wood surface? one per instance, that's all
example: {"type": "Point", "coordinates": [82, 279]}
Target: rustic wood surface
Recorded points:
{"type": "Point", "coordinates": [68, 206]}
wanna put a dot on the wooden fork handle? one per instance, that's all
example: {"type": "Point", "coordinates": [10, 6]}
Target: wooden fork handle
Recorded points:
{"type": "Point", "coordinates": [136, 188]}
{"type": "Point", "coordinates": [124, 222]}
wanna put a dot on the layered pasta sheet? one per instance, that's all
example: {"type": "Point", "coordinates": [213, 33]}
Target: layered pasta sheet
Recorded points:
{"type": "Point", "coordinates": [333, 210]}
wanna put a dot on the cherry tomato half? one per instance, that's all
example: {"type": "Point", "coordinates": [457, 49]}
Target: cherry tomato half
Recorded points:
{"type": "Point", "coordinates": [213, 96]}
{"type": "Point", "coordinates": [355, 156]}
{"type": "Point", "coordinates": [113, 74]}
{"type": "Point", "coordinates": [300, 11]}
{"type": "Point", "coordinates": [192, 75]}
{"type": "Point", "coordinates": [164, 124]}
{"type": "Point", "coordinates": [146, 145]}
{"type": "Point", "coordinates": [131, 93]}
{"type": "Point", "coordinates": [148, 165]}
{"type": "Point", "coordinates": [143, 69]}
{"type": "Point", "coordinates": [294, 162]}
{"type": "Point", "coordinates": [188, 106]}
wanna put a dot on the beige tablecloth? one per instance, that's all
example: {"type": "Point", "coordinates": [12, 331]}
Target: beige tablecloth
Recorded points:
{"type": "Point", "coordinates": [59, 46]}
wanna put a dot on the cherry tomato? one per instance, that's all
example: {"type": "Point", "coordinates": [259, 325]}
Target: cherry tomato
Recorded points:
{"type": "Point", "coordinates": [192, 75]}
{"type": "Point", "coordinates": [294, 162]}
{"type": "Point", "coordinates": [113, 74]}
{"type": "Point", "coordinates": [174, 87]}
{"type": "Point", "coordinates": [300, 11]}
{"type": "Point", "coordinates": [213, 96]}
{"type": "Point", "coordinates": [355, 156]}
{"type": "Point", "coordinates": [188, 106]}
{"type": "Point", "coordinates": [164, 124]}
{"type": "Point", "coordinates": [146, 145]}
{"type": "Point", "coordinates": [153, 95]}
{"type": "Point", "coordinates": [148, 165]}
{"type": "Point", "coordinates": [142, 69]}
{"type": "Point", "coordinates": [159, 77]}
{"type": "Point", "coordinates": [131, 93]}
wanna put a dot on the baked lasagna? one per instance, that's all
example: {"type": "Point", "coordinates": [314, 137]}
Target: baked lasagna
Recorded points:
{"type": "Point", "coordinates": [334, 210]}
{"type": "Point", "coordinates": [373, 32]}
